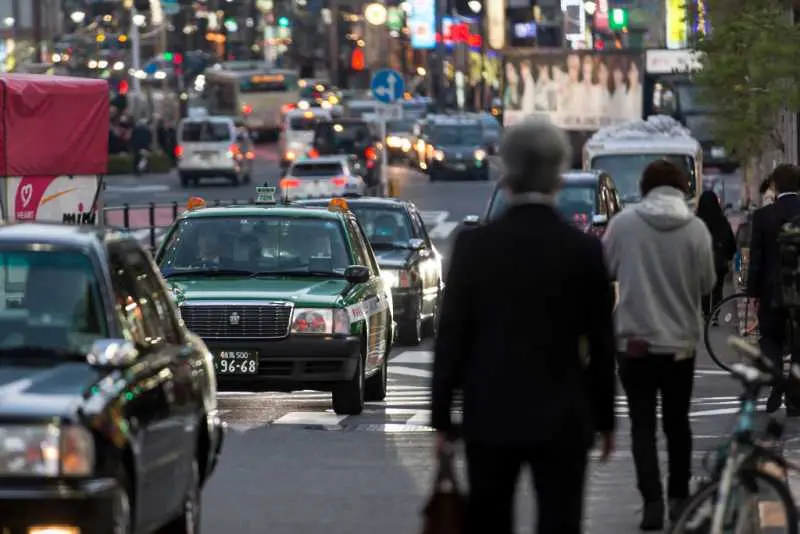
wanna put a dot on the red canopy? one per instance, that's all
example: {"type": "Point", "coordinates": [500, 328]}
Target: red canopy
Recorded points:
{"type": "Point", "coordinates": [53, 125]}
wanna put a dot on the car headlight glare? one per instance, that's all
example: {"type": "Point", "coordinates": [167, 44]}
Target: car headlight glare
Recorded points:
{"type": "Point", "coordinates": [480, 155]}
{"type": "Point", "coordinates": [396, 278]}
{"type": "Point", "coordinates": [438, 155]}
{"type": "Point", "coordinates": [290, 155]}
{"type": "Point", "coordinates": [394, 142]}
{"type": "Point", "coordinates": [46, 450]}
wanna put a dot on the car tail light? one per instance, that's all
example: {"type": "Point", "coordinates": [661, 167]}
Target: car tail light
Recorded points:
{"type": "Point", "coordinates": [370, 164]}
{"type": "Point", "coordinates": [339, 181]}
{"type": "Point", "coordinates": [288, 183]}
{"type": "Point", "coordinates": [247, 109]}
{"type": "Point", "coordinates": [179, 151]}
{"type": "Point", "coordinates": [313, 153]}
{"type": "Point", "coordinates": [250, 155]}
{"type": "Point", "coordinates": [404, 278]}
{"type": "Point", "coordinates": [288, 107]}
{"type": "Point", "coordinates": [581, 218]}
{"type": "Point", "coordinates": [371, 154]}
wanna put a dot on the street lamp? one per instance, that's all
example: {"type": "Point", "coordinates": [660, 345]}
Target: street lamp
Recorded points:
{"type": "Point", "coordinates": [77, 17]}
{"type": "Point", "coordinates": [376, 14]}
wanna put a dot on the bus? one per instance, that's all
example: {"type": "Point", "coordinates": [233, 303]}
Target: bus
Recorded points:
{"type": "Point", "coordinates": [259, 97]}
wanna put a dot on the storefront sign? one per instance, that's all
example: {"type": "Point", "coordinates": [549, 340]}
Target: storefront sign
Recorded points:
{"type": "Point", "coordinates": [676, 24]}
{"type": "Point", "coordinates": [422, 24]}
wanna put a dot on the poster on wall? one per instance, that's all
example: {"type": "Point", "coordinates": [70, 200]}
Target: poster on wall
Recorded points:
{"type": "Point", "coordinates": [422, 24]}
{"type": "Point", "coordinates": [61, 199]}
{"type": "Point", "coordinates": [575, 91]}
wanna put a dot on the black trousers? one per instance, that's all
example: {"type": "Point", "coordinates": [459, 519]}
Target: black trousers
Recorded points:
{"type": "Point", "coordinates": [776, 336]}
{"type": "Point", "coordinates": [558, 470]}
{"type": "Point", "coordinates": [712, 299]}
{"type": "Point", "coordinates": [643, 378]}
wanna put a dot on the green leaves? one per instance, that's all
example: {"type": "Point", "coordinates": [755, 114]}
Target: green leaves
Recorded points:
{"type": "Point", "coordinates": [750, 72]}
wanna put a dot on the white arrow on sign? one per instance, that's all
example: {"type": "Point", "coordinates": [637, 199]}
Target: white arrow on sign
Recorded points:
{"type": "Point", "coordinates": [388, 90]}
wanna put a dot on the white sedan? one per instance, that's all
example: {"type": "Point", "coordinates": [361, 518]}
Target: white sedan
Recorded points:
{"type": "Point", "coordinates": [321, 177]}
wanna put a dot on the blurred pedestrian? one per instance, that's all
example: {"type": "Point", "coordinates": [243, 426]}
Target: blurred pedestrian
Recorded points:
{"type": "Point", "coordinates": [724, 242]}
{"type": "Point", "coordinates": [141, 141]}
{"type": "Point", "coordinates": [763, 275]}
{"type": "Point", "coordinates": [526, 336]}
{"type": "Point", "coordinates": [662, 256]}
{"type": "Point", "coordinates": [767, 191]}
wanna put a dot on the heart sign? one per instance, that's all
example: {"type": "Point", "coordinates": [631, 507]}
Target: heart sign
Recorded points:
{"type": "Point", "coordinates": [25, 193]}
{"type": "Point", "coordinates": [28, 196]}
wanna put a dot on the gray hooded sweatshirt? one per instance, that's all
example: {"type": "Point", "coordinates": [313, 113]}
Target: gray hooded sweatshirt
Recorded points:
{"type": "Point", "coordinates": [661, 255]}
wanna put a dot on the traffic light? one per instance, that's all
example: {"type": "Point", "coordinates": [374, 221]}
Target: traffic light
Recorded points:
{"type": "Point", "coordinates": [357, 60]}
{"type": "Point", "coordinates": [177, 59]}
{"type": "Point", "coordinates": [618, 19]}
{"type": "Point", "coordinates": [168, 56]}
{"type": "Point", "coordinates": [283, 22]}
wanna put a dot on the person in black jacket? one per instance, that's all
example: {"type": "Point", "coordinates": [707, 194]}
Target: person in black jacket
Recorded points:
{"type": "Point", "coordinates": [710, 212]}
{"type": "Point", "coordinates": [526, 335]}
{"type": "Point", "coordinates": [763, 272]}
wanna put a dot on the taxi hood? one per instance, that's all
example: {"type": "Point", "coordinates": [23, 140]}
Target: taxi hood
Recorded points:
{"type": "Point", "coordinates": [300, 290]}
{"type": "Point", "coordinates": [44, 391]}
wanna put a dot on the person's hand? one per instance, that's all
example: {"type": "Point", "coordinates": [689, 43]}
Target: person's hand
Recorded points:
{"type": "Point", "coordinates": [607, 444]}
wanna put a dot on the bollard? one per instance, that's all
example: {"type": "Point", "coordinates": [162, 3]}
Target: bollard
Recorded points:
{"type": "Point", "coordinates": [126, 216]}
{"type": "Point", "coordinates": [152, 222]}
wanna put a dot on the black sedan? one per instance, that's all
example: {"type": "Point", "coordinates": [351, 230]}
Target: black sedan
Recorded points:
{"type": "Point", "coordinates": [455, 149]}
{"type": "Point", "coordinates": [409, 262]}
{"type": "Point", "coordinates": [108, 410]}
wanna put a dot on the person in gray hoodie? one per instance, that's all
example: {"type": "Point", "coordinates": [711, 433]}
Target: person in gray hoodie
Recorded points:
{"type": "Point", "coordinates": [661, 255]}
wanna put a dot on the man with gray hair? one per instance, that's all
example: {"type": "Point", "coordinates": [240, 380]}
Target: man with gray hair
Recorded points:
{"type": "Point", "coordinates": [526, 334]}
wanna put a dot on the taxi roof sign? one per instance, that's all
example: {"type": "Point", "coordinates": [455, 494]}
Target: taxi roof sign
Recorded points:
{"type": "Point", "coordinates": [265, 195]}
{"type": "Point", "coordinates": [195, 203]}
{"type": "Point", "coordinates": [338, 204]}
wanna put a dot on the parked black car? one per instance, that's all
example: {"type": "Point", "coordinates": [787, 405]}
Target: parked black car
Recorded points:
{"type": "Point", "coordinates": [409, 262]}
{"type": "Point", "coordinates": [108, 411]}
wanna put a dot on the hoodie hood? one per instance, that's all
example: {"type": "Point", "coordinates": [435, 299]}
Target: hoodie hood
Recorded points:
{"type": "Point", "coordinates": [665, 209]}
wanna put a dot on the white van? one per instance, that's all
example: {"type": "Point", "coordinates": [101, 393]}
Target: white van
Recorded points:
{"type": "Point", "coordinates": [298, 133]}
{"type": "Point", "coordinates": [212, 147]}
{"type": "Point", "coordinates": [624, 151]}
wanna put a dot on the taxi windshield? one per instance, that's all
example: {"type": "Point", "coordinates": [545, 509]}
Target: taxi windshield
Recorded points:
{"type": "Point", "coordinates": [50, 303]}
{"type": "Point", "coordinates": [255, 246]}
{"type": "Point", "coordinates": [467, 134]}
{"type": "Point", "coordinates": [385, 227]}
{"type": "Point", "coordinates": [627, 169]}
{"type": "Point", "coordinates": [575, 201]}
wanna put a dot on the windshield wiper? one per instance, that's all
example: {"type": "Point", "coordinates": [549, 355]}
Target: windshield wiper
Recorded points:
{"type": "Point", "coordinates": [209, 272]}
{"type": "Point", "coordinates": [297, 273]}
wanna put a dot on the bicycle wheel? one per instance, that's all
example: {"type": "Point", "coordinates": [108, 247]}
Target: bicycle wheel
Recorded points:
{"type": "Point", "coordinates": [735, 315]}
{"type": "Point", "coordinates": [768, 507]}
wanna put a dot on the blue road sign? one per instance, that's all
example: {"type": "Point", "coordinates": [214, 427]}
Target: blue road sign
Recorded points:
{"type": "Point", "coordinates": [387, 86]}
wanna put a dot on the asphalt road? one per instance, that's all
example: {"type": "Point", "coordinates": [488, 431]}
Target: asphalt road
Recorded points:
{"type": "Point", "coordinates": [291, 466]}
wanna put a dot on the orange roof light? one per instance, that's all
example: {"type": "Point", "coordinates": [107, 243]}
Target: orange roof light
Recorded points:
{"type": "Point", "coordinates": [338, 204]}
{"type": "Point", "coordinates": [195, 203]}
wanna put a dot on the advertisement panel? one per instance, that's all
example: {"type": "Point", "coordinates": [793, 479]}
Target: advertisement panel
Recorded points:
{"type": "Point", "coordinates": [676, 24]}
{"type": "Point", "coordinates": [422, 24]}
{"type": "Point", "coordinates": [496, 24]}
{"type": "Point", "coordinates": [62, 199]}
{"type": "Point", "coordinates": [579, 90]}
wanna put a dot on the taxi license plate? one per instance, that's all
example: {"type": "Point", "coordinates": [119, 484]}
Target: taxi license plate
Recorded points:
{"type": "Point", "coordinates": [460, 166]}
{"type": "Point", "coordinates": [236, 362]}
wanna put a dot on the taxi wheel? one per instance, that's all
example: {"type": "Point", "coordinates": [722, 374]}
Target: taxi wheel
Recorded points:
{"type": "Point", "coordinates": [121, 506]}
{"type": "Point", "coordinates": [377, 385]}
{"type": "Point", "coordinates": [189, 520]}
{"type": "Point", "coordinates": [348, 396]}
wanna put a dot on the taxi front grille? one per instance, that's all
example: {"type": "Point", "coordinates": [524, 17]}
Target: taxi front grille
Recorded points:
{"type": "Point", "coordinates": [238, 321]}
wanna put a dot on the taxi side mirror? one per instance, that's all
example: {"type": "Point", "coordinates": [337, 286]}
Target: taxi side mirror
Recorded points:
{"type": "Point", "coordinates": [112, 353]}
{"type": "Point", "coordinates": [356, 274]}
{"type": "Point", "coordinates": [471, 220]}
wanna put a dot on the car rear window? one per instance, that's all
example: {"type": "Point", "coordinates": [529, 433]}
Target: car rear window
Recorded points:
{"type": "Point", "coordinates": [302, 124]}
{"type": "Point", "coordinates": [206, 132]}
{"type": "Point", "coordinates": [332, 137]}
{"type": "Point", "coordinates": [302, 170]}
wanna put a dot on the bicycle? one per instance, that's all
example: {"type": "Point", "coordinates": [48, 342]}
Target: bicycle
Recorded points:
{"type": "Point", "coordinates": [737, 313]}
{"type": "Point", "coordinates": [728, 502]}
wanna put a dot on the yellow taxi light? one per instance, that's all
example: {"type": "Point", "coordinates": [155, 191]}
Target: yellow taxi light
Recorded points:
{"type": "Point", "coordinates": [195, 203]}
{"type": "Point", "coordinates": [54, 529]}
{"type": "Point", "coordinates": [308, 114]}
{"type": "Point", "coordinates": [338, 204]}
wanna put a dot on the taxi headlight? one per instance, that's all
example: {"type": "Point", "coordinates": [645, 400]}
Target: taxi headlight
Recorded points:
{"type": "Point", "coordinates": [320, 321]}
{"type": "Point", "coordinates": [393, 278]}
{"type": "Point", "coordinates": [406, 146]}
{"type": "Point", "coordinates": [393, 141]}
{"type": "Point", "coordinates": [480, 155]}
{"type": "Point", "coordinates": [46, 450]}
{"type": "Point", "coordinates": [438, 155]}
{"type": "Point", "coordinates": [303, 104]}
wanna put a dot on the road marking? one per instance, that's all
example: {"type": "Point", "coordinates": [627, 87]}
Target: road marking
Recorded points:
{"type": "Point", "coordinates": [420, 418]}
{"type": "Point", "coordinates": [443, 230]}
{"type": "Point", "coordinates": [432, 218]}
{"type": "Point", "coordinates": [154, 188]}
{"type": "Point", "coordinates": [414, 356]}
{"type": "Point", "coordinates": [310, 418]}
{"type": "Point", "coordinates": [410, 371]}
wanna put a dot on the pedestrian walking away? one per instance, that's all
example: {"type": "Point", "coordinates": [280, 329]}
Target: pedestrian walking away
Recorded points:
{"type": "Point", "coordinates": [710, 212]}
{"type": "Point", "coordinates": [528, 299]}
{"type": "Point", "coordinates": [763, 276]}
{"type": "Point", "coordinates": [661, 254]}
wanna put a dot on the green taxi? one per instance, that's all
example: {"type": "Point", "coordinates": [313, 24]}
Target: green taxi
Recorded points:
{"type": "Point", "coordinates": [286, 297]}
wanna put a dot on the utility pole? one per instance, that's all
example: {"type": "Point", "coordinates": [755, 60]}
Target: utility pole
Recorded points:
{"type": "Point", "coordinates": [335, 61]}
{"type": "Point", "coordinates": [38, 38]}
{"type": "Point", "coordinates": [136, 54]}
